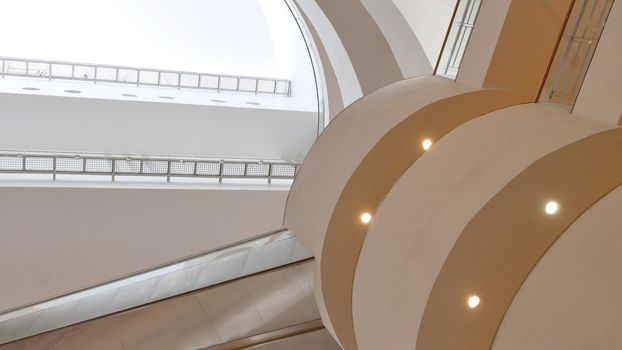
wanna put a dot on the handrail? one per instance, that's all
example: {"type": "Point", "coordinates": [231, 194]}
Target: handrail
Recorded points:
{"type": "Point", "coordinates": [36, 68]}
{"type": "Point", "coordinates": [168, 167]}
{"type": "Point", "coordinates": [236, 260]}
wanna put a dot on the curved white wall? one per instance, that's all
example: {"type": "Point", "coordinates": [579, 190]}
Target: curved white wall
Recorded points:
{"type": "Point", "coordinates": [340, 149]}
{"type": "Point", "coordinates": [482, 42]}
{"type": "Point", "coordinates": [571, 300]}
{"type": "Point", "coordinates": [372, 43]}
{"type": "Point", "coordinates": [342, 146]}
{"type": "Point", "coordinates": [408, 52]}
{"type": "Point", "coordinates": [426, 210]}
{"type": "Point", "coordinates": [430, 21]}
{"type": "Point", "coordinates": [338, 58]}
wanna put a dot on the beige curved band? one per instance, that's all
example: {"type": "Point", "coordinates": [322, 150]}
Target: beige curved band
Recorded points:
{"type": "Point", "coordinates": [373, 178]}
{"type": "Point", "coordinates": [501, 245]}
{"type": "Point", "coordinates": [401, 146]}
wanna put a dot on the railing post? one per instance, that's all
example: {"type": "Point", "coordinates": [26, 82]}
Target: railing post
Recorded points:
{"type": "Point", "coordinates": [54, 168]}
{"type": "Point", "coordinates": [221, 171]}
{"type": "Point", "coordinates": [270, 173]}
{"type": "Point", "coordinates": [113, 168]}
{"type": "Point", "coordinates": [168, 171]}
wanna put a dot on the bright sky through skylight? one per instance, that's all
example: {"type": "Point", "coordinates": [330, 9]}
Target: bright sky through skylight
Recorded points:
{"type": "Point", "coordinates": [221, 36]}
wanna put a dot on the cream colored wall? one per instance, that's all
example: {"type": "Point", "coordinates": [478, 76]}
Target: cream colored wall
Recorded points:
{"type": "Point", "coordinates": [430, 21]}
{"type": "Point", "coordinates": [571, 300]}
{"type": "Point", "coordinates": [347, 79]}
{"type": "Point", "coordinates": [339, 153]}
{"type": "Point", "coordinates": [408, 52]}
{"type": "Point", "coordinates": [57, 240]}
{"type": "Point", "coordinates": [367, 47]}
{"type": "Point", "coordinates": [340, 148]}
{"type": "Point", "coordinates": [372, 43]}
{"type": "Point", "coordinates": [426, 210]}
{"type": "Point", "coordinates": [483, 42]}
{"type": "Point", "coordinates": [333, 100]}
{"type": "Point", "coordinates": [526, 45]}
{"type": "Point", "coordinates": [600, 95]}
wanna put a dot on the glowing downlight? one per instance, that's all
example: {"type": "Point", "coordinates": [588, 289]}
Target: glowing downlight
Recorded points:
{"type": "Point", "coordinates": [426, 144]}
{"type": "Point", "coordinates": [365, 218]}
{"type": "Point", "coordinates": [473, 301]}
{"type": "Point", "coordinates": [551, 207]}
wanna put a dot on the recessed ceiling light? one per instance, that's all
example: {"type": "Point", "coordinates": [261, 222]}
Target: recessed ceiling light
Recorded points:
{"type": "Point", "coordinates": [253, 103]}
{"type": "Point", "coordinates": [29, 88]}
{"type": "Point", "coordinates": [473, 301]}
{"type": "Point", "coordinates": [128, 95]}
{"type": "Point", "coordinates": [219, 101]}
{"type": "Point", "coordinates": [551, 207]}
{"type": "Point", "coordinates": [365, 218]}
{"type": "Point", "coordinates": [426, 144]}
{"type": "Point", "coordinates": [73, 91]}
{"type": "Point", "coordinates": [166, 97]}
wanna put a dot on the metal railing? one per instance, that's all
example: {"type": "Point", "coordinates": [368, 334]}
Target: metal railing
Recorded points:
{"type": "Point", "coordinates": [22, 67]}
{"type": "Point", "coordinates": [458, 37]}
{"type": "Point", "coordinates": [131, 165]}
{"type": "Point", "coordinates": [576, 49]}
{"type": "Point", "coordinates": [237, 260]}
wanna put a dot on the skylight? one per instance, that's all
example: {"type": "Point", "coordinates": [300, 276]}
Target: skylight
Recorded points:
{"type": "Point", "coordinates": [190, 35]}
{"type": "Point", "coordinates": [256, 38]}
